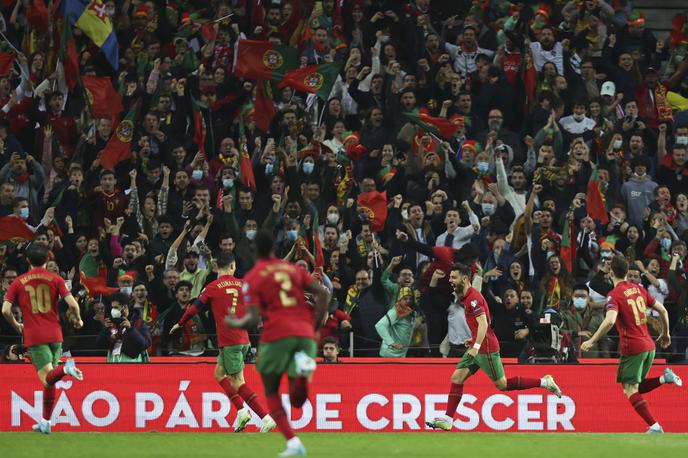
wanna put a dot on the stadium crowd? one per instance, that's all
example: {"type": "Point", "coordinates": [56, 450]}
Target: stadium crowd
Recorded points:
{"type": "Point", "coordinates": [530, 140]}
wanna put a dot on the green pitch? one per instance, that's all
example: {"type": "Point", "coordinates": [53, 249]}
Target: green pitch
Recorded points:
{"type": "Point", "coordinates": [334, 445]}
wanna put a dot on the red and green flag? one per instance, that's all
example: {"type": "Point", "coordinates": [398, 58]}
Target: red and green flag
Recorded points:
{"type": "Point", "coordinates": [439, 127]}
{"type": "Point", "coordinates": [6, 63]}
{"type": "Point", "coordinates": [199, 124]}
{"type": "Point", "coordinates": [374, 207]}
{"type": "Point", "coordinates": [315, 79]}
{"type": "Point", "coordinates": [261, 60]}
{"type": "Point", "coordinates": [37, 14]}
{"type": "Point", "coordinates": [13, 228]}
{"type": "Point", "coordinates": [68, 56]}
{"type": "Point", "coordinates": [264, 106]}
{"type": "Point", "coordinates": [568, 246]}
{"type": "Point", "coordinates": [529, 79]}
{"type": "Point", "coordinates": [118, 148]}
{"type": "Point", "coordinates": [247, 176]}
{"type": "Point", "coordinates": [595, 199]}
{"type": "Point", "coordinates": [102, 96]}
{"type": "Point", "coordinates": [96, 286]}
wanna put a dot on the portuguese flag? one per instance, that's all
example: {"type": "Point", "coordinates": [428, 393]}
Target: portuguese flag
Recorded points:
{"type": "Point", "coordinates": [316, 79]}
{"type": "Point", "coordinates": [104, 99]}
{"type": "Point", "coordinates": [374, 204]}
{"type": "Point", "coordinates": [199, 124]}
{"type": "Point", "coordinates": [440, 127]}
{"type": "Point", "coordinates": [263, 107]}
{"type": "Point", "coordinates": [568, 247]}
{"type": "Point", "coordinates": [595, 200]}
{"type": "Point", "coordinates": [12, 227]}
{"type": "Point", "coordinates": [68, 56]}
{"type": "Point", "coordinates": [261, 60]}
{"type": "Point", "coordinates": [246, 167]}
{"type": "Point", "coordinates": [118, 148]}
{"type": "Point", "coordinates": [6, 63]}
{"type": "Point", "coordinates": [96, 286]}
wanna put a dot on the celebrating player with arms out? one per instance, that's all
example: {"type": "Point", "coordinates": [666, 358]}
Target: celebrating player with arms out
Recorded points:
{"type": "Point", "coordinates": [484, 351]}
{"type": "Point", "coordinates": [626, 307]}
{"type": "Point", "coordinates": [275, 289]}
{"type": "Point", "coordinates": [38, 292]}
{"type": "Point", "coordinates": [223, 296]}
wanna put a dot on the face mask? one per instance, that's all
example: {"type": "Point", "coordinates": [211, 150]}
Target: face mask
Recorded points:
{"type": "Point", "coordinates": [333, 218]}
{"type": "Point", "coordinates": [385, 38]}
{"type": "Point", "coordinates": [617, 144]}
{"type": "Point", "coordinates": [682, 140]}
{"type": "Point", "coordinates": [605, 254]}
{"type": "Point", "coordinates": [483, 167]}
{"type": "Point", "coordinates": [578, 117]}
{"type": "Point", "coordinates": [579, 303]}
{"type": "Point", "coordinates": [488, 209]}
{"type": "Point", "coordinates": [251, 234]}
{"type": "Point", "coordinates": [125, 290]}
{"type": "Point", "coordinates": [292, 235]}
{"type": "Point", "coordinates": [550, 254]}
{"type": "Point", "coordinates": [268, 169]}
{"type": "Point", "coordinates": [308, 167]}
{"type": "Point", "coordinates": [666, 243]}
{"type": "Point", "coordinates": [197, 175]}
{"type": "Point", "coordinates": [111, 12]}
{"type": "Point", "coordinates": [228, 182]}
{"type": "Point", "coordinates": [116, 313]}
{"type": "Point", "coordinates": [24, 213]}
{"type": "Point", "coordinates": [404, 214]}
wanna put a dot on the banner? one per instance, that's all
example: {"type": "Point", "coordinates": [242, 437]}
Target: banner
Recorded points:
{"type": "Point", "coordinates": [344, 397]}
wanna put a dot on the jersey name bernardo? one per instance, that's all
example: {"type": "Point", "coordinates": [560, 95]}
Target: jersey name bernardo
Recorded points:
{"type": "Point", "coordinates": [24, 280]}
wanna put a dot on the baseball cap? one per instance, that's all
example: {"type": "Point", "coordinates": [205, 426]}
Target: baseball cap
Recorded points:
{"type": "Point", "coordinates": [608, 88]}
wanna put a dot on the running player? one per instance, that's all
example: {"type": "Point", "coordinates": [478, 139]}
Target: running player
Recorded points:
{"type": "Point", "coordinates": [223, 297]}
{"type": "Point", "coordinates": [626, 306]}
{"type": "Point", "coordinates": [275, 289]}
{"type": "Point", "coordinates": [38, 292]}
{"type": "Point", "coordinates": [484, 351]}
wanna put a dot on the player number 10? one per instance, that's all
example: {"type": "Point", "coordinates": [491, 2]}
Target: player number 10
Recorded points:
{"type": "Point", "coordinates": [285, 286]}
{"type": "Point", "coordinates": [638, 306]}
{"type": "Point", "coordinates": [39, 298]}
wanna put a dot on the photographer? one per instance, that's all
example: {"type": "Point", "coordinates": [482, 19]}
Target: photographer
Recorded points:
{"type": "Point", "coordinates": [125, 337]}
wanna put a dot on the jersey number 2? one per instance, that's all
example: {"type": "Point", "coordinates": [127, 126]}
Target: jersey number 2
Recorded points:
{"type": "Point", "coordinates": [39, 297]}
{"type": "Point", "coordinates": [285, 286]}
{"type": "Point", "coordinates": [235, 299]}
{"type": "Point", "coordinates": [638, 306]}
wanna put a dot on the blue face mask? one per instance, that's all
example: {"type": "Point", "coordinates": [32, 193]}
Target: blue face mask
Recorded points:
{"type": "Point", "coordinates": [251, 234]}
{"type": "Point", "coordinates": [268, 168]}
{"type": "Point", "coordinates": [228, 182]}
{"type": "Point", "coordinates": [666, 244]}
{"type": "Point", "coordinates": [125, 290]}
{"type": "Point", "coordinates": [488, 209]}
{"type": "Point", "coordinates": [483, 167]}
{"type": "Point", "coordinates": [308, 167]}
{"type": "Point", "coordinates": [24, 213]}
{"type": "Point", "coordinates": [197, 175]}
{"type": "Point", "coordinates": [579, 303]}
{"type": "Point", "coordinates": [292, 235]}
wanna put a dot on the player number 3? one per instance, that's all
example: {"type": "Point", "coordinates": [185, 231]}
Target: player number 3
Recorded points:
{"type": "Point", "coordinates": [285, 286]}
{"type": "Point", "coordinates": [39, 297]}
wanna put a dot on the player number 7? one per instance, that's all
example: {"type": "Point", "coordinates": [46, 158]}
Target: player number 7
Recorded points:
{"type": "Point", "coordinates": [235, 299]}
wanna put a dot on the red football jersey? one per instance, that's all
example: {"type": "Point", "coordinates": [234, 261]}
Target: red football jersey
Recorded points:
{"type": "Point", "coordinates": [476, 305]}
{"type": "Point", "coordinates": [38, 292]}
{"type": "Point", "coordinates": [630, 301]}
{"type": "Point", "coordinates": [277, 287]}
{"type": "Point", "coordinates": [223, 296]}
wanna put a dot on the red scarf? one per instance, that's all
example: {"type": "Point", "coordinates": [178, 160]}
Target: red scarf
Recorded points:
{"type": "Point", "coordinates": [23, 178]}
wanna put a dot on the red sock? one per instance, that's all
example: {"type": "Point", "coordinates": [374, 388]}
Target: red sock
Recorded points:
{"type": "Point", "coordinates": [521, 383]}
{"type": "Point", "coordinates": [455, 393]}
{"type": "Point", "coordinates": [232, 394]}
{"type": "Point", "coordinates": [640, 406]}
{"type": "Point", "coordinates": [48, 401]}
{"type": "Point", "coordinates": [55, 375]}
{"type": "Point", "coordinates": [280, 416]}
{"type": "Point", "coordinates": [298, 391]}
{"type": "Point", "coordinates": [648, 385]}
{"type": "Point", "coordinates": [251, 399]}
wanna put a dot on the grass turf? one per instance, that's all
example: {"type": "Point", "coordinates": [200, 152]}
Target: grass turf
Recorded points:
{"type": "Point", "coordinates": [333, 445]}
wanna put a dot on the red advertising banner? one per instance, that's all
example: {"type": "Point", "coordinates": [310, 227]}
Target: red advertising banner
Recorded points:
{"type": "Point", "coordinates": [345, 397]}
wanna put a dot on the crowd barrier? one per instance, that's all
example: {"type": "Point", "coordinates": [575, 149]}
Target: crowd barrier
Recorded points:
{"type": "Point", "coordinates": [350, 397]}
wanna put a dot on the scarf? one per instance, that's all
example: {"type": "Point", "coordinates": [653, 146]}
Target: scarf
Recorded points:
{"type": "Point", "coordinates": [23, 178]}
{"type": "Point", "coordinates": [553, 293]}
{"type": "Point", "coordinates": [386, 173]}
{"type": "Point", "coordinates": [361, 247]}
{"type": "Point", "coordinates": [352, 299]}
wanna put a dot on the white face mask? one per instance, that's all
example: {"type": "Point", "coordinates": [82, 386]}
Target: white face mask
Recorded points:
{"type": "Point", "coordinates": [682, 140]}
{"type": "Point", "coordinates": [116, 313]}
{"type": "Point", "coordinates": [333, 218]}
{"type": "Point", "coordinates": [404, 214]}
{"type": "Point", "coordinates": [617, 144]}
{"type": "Point", "coordinates": [578, 117]}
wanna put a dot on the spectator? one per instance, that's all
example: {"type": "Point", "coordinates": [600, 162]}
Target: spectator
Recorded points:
{"type": "Point", "coordinates": [330, 351]}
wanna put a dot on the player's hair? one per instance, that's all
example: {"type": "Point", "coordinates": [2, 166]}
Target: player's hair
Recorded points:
{"type": "Point", "coordinates": [463, 269]}
{"type": "Point", "coordinates": [265, 244]}
{"type": "Point", "coordinates": [619, 266]}
{"type": "Point", "coordinates": [225, 259]}
{"type": "Point", "coordinates": [37, 254]}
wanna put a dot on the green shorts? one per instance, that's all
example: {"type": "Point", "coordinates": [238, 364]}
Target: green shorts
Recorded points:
{"type": "Point", "coordinates": [278, 356]}
{"type": "Point", "coordinates": [231, 358]}
{"type": "Point", "coordinates": [43, 354]}
{"type": "Point", "coordinates": [634, 368]}
{"type": "Point", "coordinates": [490, 363]}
